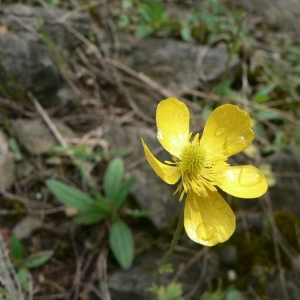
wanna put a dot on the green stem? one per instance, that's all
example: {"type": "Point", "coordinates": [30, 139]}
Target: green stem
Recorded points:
{"type": "Point", "coordinates": [172, 246]}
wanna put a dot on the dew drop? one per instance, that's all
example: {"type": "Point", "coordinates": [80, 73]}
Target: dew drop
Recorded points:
{"type": "Point", "coordinates": [159, 134]}
{"type": "Point", "coordinates": [219, 203]}
{"type": "Point", "coordinates": [206, 231]}
{"type": "Point", "coordinates": [250, 177]}
{"type": "Point", "coordinates": [220, 131]}
{"type": "Point", "coordinates": [236, 142]}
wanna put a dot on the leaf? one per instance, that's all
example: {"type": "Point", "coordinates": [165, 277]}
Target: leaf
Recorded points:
{"type": "Point", "coordinates": [113, 178]}
{"type": "Point", "coordinates": [75, 198]}
{"type": "Point", "coordinates": [90, 218]}
{"type": "Point", "coordinates": [263, 95]}
{"type": "Point", "coordinates": [23, 277]}
{"type": "Point", "coordinates": [38, 259]}
{"type": "Point", "coordinates": [16, 248]}
{"type": "Point", "coordinates": [123, 192]}
{"type": "Point", "coordinates": [121, 243]}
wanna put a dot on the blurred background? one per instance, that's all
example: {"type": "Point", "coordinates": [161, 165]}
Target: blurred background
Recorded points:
{"type": "Point", "coordinates": [83, 216]}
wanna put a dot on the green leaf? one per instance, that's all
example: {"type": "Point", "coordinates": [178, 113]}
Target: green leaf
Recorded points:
{"type": "Point", "coordinates": [70, 195]}
{"type": "Point", "coordinates": [90, 218]}
{"type": "Point", "coordinates": [123, 192]}
{"type": "Point", "coordinates": [121, 243]}
{"type": "Point", "coordinates": [15, 148]}
{"type": "Point", "coordinates": [113, 178]}
{"type": "Point", "coordinates": [24, 277]}
{"type": "Point", "coordinates": [261, 98]}
{"type": "Point", "coordinates": [16, 248]}
{"type": "Point", "coordinates": [38, 259]}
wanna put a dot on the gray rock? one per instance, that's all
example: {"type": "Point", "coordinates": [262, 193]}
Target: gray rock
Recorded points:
{"type": "Point", "coordinates": [140, 277]}
{"type": "Point", "coordinates": [25, 57]}
{"type": "Point", "coordinates": [25, 65]}
{"type": "Point", "coordinates": [26, 226]}
{"type": "Point", "coordinates": [177, 65]}
{"type": "Point", "coordinates": [7, 166]}
{"type": "Point", "coordinates": [284, 14]}
{"type": "Point", "coordinates": [37, 137]}
{"type": "Point", "coordinates": [55, 23]}
{"type": "Point", "coordinates": [150, 192]}
{"type": "Point", "coordinates": [285, 194]}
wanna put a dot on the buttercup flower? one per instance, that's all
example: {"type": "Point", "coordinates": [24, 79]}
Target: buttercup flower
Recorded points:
{"type": "Point", "coordinates": [201, 166]}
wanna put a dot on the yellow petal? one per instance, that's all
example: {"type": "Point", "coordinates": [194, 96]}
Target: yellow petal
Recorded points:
{"type": "Point", "coordinates": [167, 173]}
{"type": "Point", "coordinates": [172, 117]}
{"type": "Point", "coordinates": [208, 221]}
{"type": "Point", "coordinates": [227, 130]}
{"type": "Point", "coordinates": [244, 182]}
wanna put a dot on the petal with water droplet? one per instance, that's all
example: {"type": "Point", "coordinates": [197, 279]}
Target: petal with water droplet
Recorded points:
{"type": "Point", "coordinates": [167, 173]}
{"type": "Point", "coordinates": [243, 181]}
{"type": "Point", "coordinates": [173, 123]}
{"type": "Point", "coordinates": [227, 130]}
{"type": "Point", "coordinates": [206, 223]}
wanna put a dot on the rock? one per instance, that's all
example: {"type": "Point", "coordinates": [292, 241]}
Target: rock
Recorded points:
{"type": "Point", "coordinates": [150, 192]}
{"type": "Point", "coordinates": [175, 64]}
{"type": "Point", "coordinates": [285, 194]}
{"type": "Point", "coordinates": [37, 137]}
{"type": "Point", "coordinates": [280, 13]}
{"type": "Point", "coordinates": [140, 277]}
{"type": "Point", "coordinates": [26, 63]}
{"type": "Point", "coordinates": [54, 23]}
{"type": "Point", "coordinates": [26, 226]}
{"type": "Point", "coordinates": [7, 166]}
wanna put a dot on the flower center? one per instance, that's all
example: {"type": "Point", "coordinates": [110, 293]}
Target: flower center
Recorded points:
{"type": "Point", "coordinates": [192, 158]}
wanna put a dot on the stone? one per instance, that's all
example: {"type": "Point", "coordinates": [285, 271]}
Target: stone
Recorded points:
{"type": "Point", "coordinates": [54, 23]}
{"type": "Point", "coordinates": [26, 56]}
{"type": "Point", "coordinates": [37, 137]}
{"type": "Point", "coordinates": [140, 277]}
{"type": "Point", "coordinates": [284, 195]}
{"type": "Point", "coordinates": [26, 226]}
{"type": "Point", "coordinates": [279, 13]}
{"type": "Point", "coordinates": [175, 64]}
{"type": "Point", "coordinates": [149, 191]}
{"type": "Point", "coordinates": [25, 65]}
{"type": "Point", "coordinates": [7, 166]}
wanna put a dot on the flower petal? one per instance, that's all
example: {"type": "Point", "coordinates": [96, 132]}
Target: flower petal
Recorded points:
{"type": "Point", "coordinates": [208, 221]}
{"type": "Point", "coordinates": [227, 130]}
{"type": "Point", "coordinates": [243, 182]}
{"type": "Point", "coordinates": [172, 117]}
{"type": "Point", "coordinates": [167, 173]}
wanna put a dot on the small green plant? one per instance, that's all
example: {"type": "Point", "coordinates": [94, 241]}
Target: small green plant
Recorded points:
{"type": "Point", "coordinates": [24, 262]}
{"type": "Point", "coordinates": [219, 294]}
{"type": "Point", "coordinates": [172, 291]}
{"type": "Point", "coordinates": [97, 208]}
{"type": "Point", "coordinates": [153, 17]}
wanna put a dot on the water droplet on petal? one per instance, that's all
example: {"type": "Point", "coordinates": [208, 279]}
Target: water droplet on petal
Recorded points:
{"type": "Point", "coordinates": [219, 203]}
{"type": "Point", "coordinates": [206, 231]}
{"type": "Point", "coordinates": [159, 134]}
{"type": "Point", "coordinates": [220, 131]}
{"type": "Point", "coordinates": [250, 177]}
{"type": "Point", "coordinates": [235, 142]}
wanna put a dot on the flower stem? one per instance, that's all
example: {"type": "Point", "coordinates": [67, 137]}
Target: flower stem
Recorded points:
{"type": "Point", "coordinates": [172, 247]}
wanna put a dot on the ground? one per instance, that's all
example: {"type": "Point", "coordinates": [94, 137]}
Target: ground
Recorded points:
{"type": "Point", "coordinates": [99, 83]}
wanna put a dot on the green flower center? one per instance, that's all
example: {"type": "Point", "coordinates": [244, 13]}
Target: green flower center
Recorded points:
{"type": "Point", "coordinates": [192, 159]}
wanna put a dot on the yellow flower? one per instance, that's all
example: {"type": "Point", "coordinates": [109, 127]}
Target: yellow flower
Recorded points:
{"type": "Point", "coordinates": [202, 166]}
